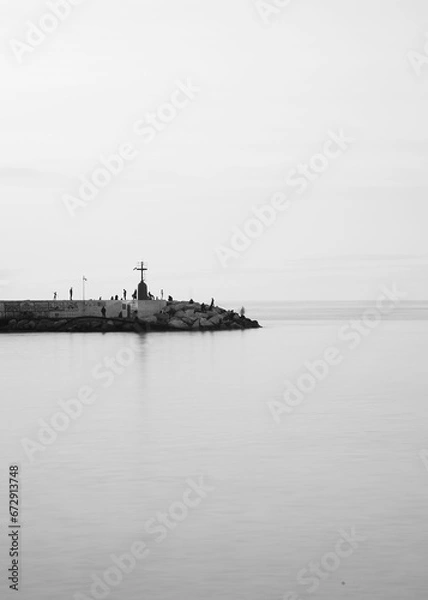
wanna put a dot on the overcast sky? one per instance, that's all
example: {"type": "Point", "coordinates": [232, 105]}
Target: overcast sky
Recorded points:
{"type": "Point", "coordinates": [269, 94]}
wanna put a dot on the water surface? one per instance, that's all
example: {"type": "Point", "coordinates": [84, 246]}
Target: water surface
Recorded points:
{"type": "Point", "coordinates": [192, 405]}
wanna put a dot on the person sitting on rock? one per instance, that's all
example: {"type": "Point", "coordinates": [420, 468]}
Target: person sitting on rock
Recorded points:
{"type": "Point", "coordinates": [170, 299]}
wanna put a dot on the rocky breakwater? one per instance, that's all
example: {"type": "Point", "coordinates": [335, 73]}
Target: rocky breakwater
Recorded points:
{"type": "Point", "coordinates": [192, 316]}
{"type": "Point", "coordinates": [176, 316]}
{"type": "Point", "coordinates": [28, 324]}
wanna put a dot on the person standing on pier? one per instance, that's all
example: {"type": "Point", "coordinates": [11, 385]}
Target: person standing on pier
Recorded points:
{"type": "Point", "coordinates": [124, 295]}
{"type": "Point", "coordinates": [71, 293]}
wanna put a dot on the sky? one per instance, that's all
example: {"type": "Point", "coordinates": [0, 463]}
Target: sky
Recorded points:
{"type": "Point", "coordinates": [269, 92]}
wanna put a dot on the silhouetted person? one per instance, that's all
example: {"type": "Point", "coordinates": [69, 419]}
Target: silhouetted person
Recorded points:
{"type": "Point", "coordinates": [162, 294]}
{"type": "Point", "coordinates": [103, 312]}
{"type": "Point", "coordinates": [134, 295]}
{"type": "Point", "coordinates": [112, 298]}
{"type": "Point", "coordinates": [170, 298]}
{"type": "Point", "coordinates": [124, 295]}
{"type": "Point", "coordinates": [71, 293]}
{"type": "Point", "coordinates": [242, 312]}
{"type": "Point", "coordinates": [55, 295]}
{"type": "Point", "coordinates": [212, 304]}
{"type": "Point", "coordinates": [116, 297]}
{"type": "Point", "coordinates": [191, 301]}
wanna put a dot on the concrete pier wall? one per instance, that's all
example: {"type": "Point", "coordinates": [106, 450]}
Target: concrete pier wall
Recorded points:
{"type": "Point", "coordinates": [64, 309]}
{"type": "Point", "coordinates": [147, 308]}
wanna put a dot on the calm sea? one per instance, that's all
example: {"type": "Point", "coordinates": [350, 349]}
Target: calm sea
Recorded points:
{"type": "Point", "coordinates": [284, 484]}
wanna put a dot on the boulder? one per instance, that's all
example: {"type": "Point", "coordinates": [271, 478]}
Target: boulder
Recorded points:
{"type": "Point", "coordinates": [189, 320]}
{"type": "Point", "coordinates": [178, 324]}
{"type": "Point", "coordinates": [178, 306]}
{"type": "Point", "coordinates": [162, 318]}
{"type": "Point", "coordinates": [205, 324]}
{"type": "Point", "coordinates": [216, 320]}
{"type": "Point", "coordinates": [149, 320]}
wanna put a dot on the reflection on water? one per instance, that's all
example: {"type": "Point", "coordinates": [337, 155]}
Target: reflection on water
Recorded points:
{"type": "Point", "coordinates": [166, 409]}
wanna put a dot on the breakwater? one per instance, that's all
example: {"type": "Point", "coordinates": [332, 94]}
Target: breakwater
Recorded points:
{"type": "Point", "coordinates": [172, 316]}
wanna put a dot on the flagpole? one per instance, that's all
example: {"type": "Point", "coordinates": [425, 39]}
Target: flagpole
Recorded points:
{"type": "Point", "coordinates": [83, 281]}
